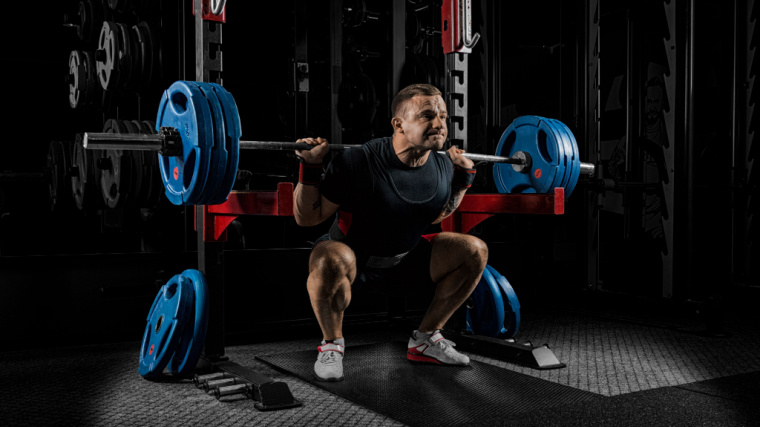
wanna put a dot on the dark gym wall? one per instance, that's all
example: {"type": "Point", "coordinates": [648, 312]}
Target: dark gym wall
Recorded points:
{"type": "Point", "coordinates": [530, 61]}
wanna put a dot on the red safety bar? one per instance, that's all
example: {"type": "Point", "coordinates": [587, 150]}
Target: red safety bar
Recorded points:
{"type": "Point", "coordinates": [206, 13]}
{"type": "Point", "coordinates": [216, 218]}
{"type": "Point", "coordinates": [473, 209]}
{"type": "Point", "coordinates": [476, 208]}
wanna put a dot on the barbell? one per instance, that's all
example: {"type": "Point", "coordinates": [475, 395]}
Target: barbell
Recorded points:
{"type": "Point", "coordinates": [198, 144]}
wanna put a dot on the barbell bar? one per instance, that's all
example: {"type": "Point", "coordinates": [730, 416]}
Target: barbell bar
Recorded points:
{"type": "Point", "coordinates": [198, 143]}
{"type": "Point", "coordinates": [157, 142]}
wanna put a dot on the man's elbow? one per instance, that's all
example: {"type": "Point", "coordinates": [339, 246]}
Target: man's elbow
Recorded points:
{"type": "Point", "coordinates": [307, 220]}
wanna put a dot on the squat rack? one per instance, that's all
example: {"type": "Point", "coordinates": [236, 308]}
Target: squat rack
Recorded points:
{"type": "Point", "coordinates": [211, 221]}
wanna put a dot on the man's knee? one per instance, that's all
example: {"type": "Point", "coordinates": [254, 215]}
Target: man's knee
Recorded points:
{"type": "Point", "coordinates": [479, 249]}
{"type": "Point", "coordinates": [332, 260]}
{"type": "Point", "coordinates": [469, 248]}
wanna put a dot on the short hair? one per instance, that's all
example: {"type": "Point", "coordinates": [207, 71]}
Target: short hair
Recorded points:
{"type": "Point", "coordinates": [409, 92]}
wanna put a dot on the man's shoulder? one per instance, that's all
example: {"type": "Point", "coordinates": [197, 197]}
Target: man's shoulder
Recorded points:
{"type": "Point", "coordinates": [378, 143]}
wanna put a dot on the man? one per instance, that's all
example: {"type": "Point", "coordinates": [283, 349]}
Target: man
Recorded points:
{"type": "Point", "coordinates": [386, 194]}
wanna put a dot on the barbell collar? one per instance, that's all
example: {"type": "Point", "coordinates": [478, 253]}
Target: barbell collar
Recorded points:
{"type": "Point", "coordinates": [588, 169]}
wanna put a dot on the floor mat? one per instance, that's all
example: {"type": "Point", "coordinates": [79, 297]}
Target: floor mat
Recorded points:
{"type": "Point", "coordinates": [741, 388]}
{"type": "Point", "coordinates": [379, 377]}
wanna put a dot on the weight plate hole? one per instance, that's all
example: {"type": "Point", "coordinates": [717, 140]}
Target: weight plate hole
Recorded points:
{"type": "Point", "coordinates": [543, 149]}
{"type": "Point", "coordinates": [159, 322]}
{"type": "Point", "coordinates": [171, 290]}
{"type": "Point", "coordinates": [180, 102]}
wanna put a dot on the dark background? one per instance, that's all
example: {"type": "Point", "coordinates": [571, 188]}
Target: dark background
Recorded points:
{"type": "Point", "coordinates": [72, 276]}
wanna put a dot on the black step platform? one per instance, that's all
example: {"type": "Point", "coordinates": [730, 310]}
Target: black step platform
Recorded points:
{"type": "Point", "coordinates": [380, 378]}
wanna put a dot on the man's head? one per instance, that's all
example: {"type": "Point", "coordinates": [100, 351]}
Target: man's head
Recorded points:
{"type": "Point", "coordinates": [419, 116]}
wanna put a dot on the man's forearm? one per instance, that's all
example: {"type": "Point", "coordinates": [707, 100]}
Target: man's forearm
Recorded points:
{"type": "Point", "coordinates": [457, 194]}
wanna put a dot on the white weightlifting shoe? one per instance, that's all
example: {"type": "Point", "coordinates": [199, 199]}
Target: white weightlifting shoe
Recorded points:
{"type": "Point", "coordinates": [329, 364]}
{"type": "Point", "coordinates": [434, 348]}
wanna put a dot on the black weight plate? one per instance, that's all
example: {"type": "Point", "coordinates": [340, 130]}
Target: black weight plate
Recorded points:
{"type": "Point", "coordinates": [149, 163]}
{"type": "Point", "coordinates": [151, 159]}
{"type": "Point", "coordinates": [151, 53]}
{"type": "Point", "coordinates": [125, 55]}
{"type": "Point", "coordinates": [79, 173]}
{"type": "Point", "coordinates": [92, 86]}
{"type": "Point", "coordinates": [135, 196]}
{"type": "Point", "coordinates": [115, 170]}
{"type": "Point", "coordinates": [85, 178]}
{"type": "Point", "coordinates": [107, 57]}
{"type": "Point", "coordinates": [142, 168]}
{"type": "Point", "coordinates": [142, 54]}
{"type": "Point", "coordinates": [137, 75]}
{"type": "Point", "coordinates": [58, 163]}
{"type": "Point", "coordinates": [356, 101]}
{"type": "Point", "coordinates": [77, 79]}
{"type": "Point", "coordinates": [92, 20]}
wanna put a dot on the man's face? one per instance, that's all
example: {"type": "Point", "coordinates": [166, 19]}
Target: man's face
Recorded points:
{"type": "Point", "coordinates": [653, 103]}
{"type": "Point", "coordinates": [424, 122]}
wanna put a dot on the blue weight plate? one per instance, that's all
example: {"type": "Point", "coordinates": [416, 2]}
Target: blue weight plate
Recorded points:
{"type": "Point", "coordinates": [193, 338]}
{"type": "Point", "coordinates": [511, 305]}
{"type": "Point", "coordinates": [533, 135]}
{"type": "Point", "coordinates": [576, 161]}
{"type": "Point", "coordinates": [218, 162]}
{"type": "Point", "coordinates": [184, 108]}
{"type": "Point", "coordinates": [563, 160]}
{"type": "Point", "coordinates": [569, 150]}
{"type": "Point", "coordinates": [232, 142]}
{"type": "Point", "coordinates": [166, 319]}
{"type": "Point", "coordinates": [487, 315]}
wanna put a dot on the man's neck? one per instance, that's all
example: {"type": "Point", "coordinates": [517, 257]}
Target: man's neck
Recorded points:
{"type": "Point", "coordinates": [408, 153]}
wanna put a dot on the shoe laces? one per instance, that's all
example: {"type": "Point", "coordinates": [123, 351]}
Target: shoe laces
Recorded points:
{"type": "Point", "coordinates": [446, 345]}
{"type": "Point", "coordinates": [328, 357]}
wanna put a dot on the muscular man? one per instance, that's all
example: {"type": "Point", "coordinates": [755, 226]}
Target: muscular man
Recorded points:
{"type": "Point", "coordinates": [386, 194]}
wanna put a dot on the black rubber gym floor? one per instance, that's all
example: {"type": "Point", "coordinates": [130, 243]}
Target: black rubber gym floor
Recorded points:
{"type": "Point", "coordinates": [379, 377]}
{"type": "Point", "coordinates": [618, 373]}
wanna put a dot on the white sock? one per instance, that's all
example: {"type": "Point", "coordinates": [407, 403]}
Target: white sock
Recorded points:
{"type": "Point", "coordinates": [340, 341]}
{"type": "Point", "coordinates": [421, 336]}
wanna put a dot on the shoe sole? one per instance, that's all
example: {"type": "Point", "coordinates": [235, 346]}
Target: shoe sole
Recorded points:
{"type": "Point", "coordinates": [420, 359]}
{"type": "Point", "coordinates": [329, 380]}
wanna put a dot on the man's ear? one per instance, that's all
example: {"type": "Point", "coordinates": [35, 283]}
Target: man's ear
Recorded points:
{"type": "Point", "coordinates": [396, 123]}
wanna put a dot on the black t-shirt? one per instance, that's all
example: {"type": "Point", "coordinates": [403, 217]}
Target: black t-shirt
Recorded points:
{"type": "Point", "coordinates": [385, 205]}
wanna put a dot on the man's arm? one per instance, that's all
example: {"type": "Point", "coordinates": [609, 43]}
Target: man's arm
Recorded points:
{"type": "Point", "coordinates": [457, 194]}
{"type": "Point", "coordinates": [464, 173]}
{"type": "Point", "coordinates": [309, 206]}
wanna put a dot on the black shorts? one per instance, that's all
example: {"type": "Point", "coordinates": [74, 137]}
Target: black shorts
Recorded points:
{"type": "Point", "coordinates": [409, 277]}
